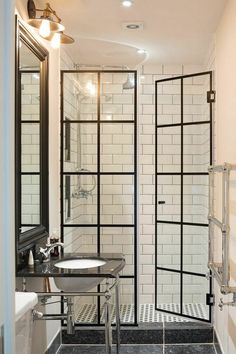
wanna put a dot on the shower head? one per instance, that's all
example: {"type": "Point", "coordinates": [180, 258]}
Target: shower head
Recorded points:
{"type": "Point", "coordinates": [129, 84]}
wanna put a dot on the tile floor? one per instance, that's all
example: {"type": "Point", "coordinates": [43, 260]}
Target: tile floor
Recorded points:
{"type": "Point", "coordinates": [140, 349]}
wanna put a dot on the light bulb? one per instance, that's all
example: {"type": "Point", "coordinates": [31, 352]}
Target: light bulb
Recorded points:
{"type": "Point", "coordinates": [56, 41]}
{"type": "Point", "coordinates": [127, 3]}
{"type": "Point", "coordinates": [141, 51]}
{"type": "Point", "coordinates": [44, 29]}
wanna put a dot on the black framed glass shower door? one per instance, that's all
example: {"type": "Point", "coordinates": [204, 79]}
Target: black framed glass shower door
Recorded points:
{"type": "Point", "coordinates": [99, 172]}
{"type": "Point", "coordinates": [183, 152]}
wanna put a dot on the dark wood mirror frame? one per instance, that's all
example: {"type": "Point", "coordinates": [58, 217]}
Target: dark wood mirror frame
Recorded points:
{"type": "Point", "coordinates": [27, 239]}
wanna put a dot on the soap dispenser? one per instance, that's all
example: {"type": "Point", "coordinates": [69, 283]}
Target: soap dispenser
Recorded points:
{"type": "Point", "coordinates": [31, 259]}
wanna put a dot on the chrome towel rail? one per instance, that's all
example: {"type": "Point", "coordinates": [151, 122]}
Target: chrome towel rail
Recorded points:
{"type": "Point", "coordinates": [220, 271]}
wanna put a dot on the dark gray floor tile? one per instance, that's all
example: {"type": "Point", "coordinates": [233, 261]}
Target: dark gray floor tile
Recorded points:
{"type": "Point", "coordinates": [125, 349]}
{"type": "Point", "coordinates": [190, 349]}
{"type": "Point", "coordinates": [178, 333]}
{"type": "Point", "coordinates": [142, 334]}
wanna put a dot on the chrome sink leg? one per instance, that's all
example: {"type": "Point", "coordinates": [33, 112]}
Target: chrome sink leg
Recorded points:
{"type": "Point", "coordinates": [70, 316]}
{"type": "Point", "coordinates": [118, 315]}
{"type": "Point", "coordinates": [108, 329]}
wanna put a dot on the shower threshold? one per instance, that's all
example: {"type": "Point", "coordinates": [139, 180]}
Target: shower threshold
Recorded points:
{"type": "Point", "coordinates": [87, 313]}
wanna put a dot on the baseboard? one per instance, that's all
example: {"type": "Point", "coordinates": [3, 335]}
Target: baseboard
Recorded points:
{"type": "Point", "coordinates": [55, 344]}
{"type": "Point", "coordinates": [217, 343]}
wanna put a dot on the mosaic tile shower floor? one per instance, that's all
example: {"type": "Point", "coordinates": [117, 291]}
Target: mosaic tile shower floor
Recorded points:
{"type": "Point", "coordinates": [147, 313]}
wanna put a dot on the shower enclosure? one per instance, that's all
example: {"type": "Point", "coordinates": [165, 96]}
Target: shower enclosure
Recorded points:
{"type": "Point", "coordinates": [99, 176]}
{"type": "Point", "coordinates": [183, 154]}
{"type": "Point", "coordinates": [99, 189]}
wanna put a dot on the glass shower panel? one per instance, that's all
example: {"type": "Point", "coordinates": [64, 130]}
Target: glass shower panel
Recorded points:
{"type": "Point", "coordinates": [168, 102]}
{"type": "Point", "coordinates": [195, 199]}
{"type": "Point", "coordinates": [117, 96]}
{"type": "Point", "coordinates": [80, 199]}
{"type": "Point", "coordinates": [80, 239]}
{"type": "Point", "coordinates": [80, 147]}
{"type": "Point", "coordinates": [117, 147]}
{"type": "Point", "coordinates": [80, 96]}
{"type": "Point", "coordinates": [169, 150]}
{"type": "Point", "coordinates": [196, 148]}
{"type": "Point", "coordinates": [195, 289]}
{"type": "Point", "coordinates": [168, 198]}
{"type": "Point", "coordinates": [117, 199]}
{"type": "Point", "coordinates": [168, 246]}
{"type": "Point", "coordinates": [127, 307]}
{"type": "Point", "coordinates": [119, 240]}
{"type": "Point", "coordinates": [168, 291]}
{"type": "Point", "coordinates": [99, 173]}
{"type": "Point", "coordinates": [195, 105]}
{"type": "Point", "coordinates": [195, 249]}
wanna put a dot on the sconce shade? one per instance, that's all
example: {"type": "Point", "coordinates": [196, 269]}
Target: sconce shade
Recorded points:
{"type": "Point", "coordinates": [54, 26]}
{"type": "Point", "coordinates": [64, 38]}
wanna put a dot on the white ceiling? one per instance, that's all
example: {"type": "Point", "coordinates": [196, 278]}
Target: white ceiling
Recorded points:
{"type": "Point", "coordinates": [175, 31]}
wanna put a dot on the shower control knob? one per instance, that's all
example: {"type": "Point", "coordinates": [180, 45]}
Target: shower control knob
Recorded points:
{"type": "Point", "coordinates": [221, 304]}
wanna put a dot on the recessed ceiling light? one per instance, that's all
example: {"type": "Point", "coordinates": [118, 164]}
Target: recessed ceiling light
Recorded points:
{"type": "Point", "coordinates": [141, 51]}
{"type": "Point", "coordinates": [133, 26]}
{"type": "Point", "coordinates": [127, 3]}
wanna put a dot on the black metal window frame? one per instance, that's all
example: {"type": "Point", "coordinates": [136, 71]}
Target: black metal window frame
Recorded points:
{"type": "Point", "coordinates": [181, 223]}
{"type": "Point", "coordinates": [99, 173]}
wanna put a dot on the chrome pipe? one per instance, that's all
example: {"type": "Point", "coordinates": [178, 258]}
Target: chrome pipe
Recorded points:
{"type": "Point", "coordinates": [117, 315]}
{"type": "Point", "coordinates": [225, 222]}
{"type": "Point", "coordinates": [70, 316]}
{"type": "Point", "coordinates": [70, 293]}
{"type": "Point", "coordinates": [216, 222]}
{"type": "Point", "coordinates": [108, 329]}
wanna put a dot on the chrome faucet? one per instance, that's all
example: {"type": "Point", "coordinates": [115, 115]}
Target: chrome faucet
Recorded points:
{"type": "Point", "coordinates": [45, 252]}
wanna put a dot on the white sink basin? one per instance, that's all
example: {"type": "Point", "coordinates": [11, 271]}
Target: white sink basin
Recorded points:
{"type": "Point", "coordinates": [80, 284]}
{"type": "Point", "coordinates": [80, 263]}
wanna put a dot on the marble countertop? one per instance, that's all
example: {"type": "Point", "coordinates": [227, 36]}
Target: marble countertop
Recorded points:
{"type": "Point", "coordinates": [114, 264]}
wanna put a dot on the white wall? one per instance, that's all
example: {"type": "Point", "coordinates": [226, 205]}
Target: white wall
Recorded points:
{"type": "Point", "coordinates": [7, 238]}
{"type": "Point", "coordinates": [225, 321]}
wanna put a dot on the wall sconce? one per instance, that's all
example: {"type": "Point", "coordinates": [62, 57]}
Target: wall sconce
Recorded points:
{"type": "Point", "coordinates": [48, 24]}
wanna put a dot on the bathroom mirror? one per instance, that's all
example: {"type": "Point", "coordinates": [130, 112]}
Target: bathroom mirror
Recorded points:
{"type": "Point", "coordinates": [31, 139]}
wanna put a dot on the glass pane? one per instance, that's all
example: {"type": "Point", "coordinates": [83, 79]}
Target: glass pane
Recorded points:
{"type": "Point", "coordinates": [117, 96]}
{"type": "Point", "coordinates": [169, 149]}
{"type": "Point", "coordinates": [80, 96]}
{"type": "Point", "coordinates": [80, 199]}
{"type": "Point", "coordinates": [119, 240]}
{"type": "Point", "coordinates": [117, 147]}
{"type": "Point", "coordinates": [169, 102]}
{"type": "Point", "coordinates": [196, 150]}
{"type": "Point", "coordinates": [168, 196]}
{"type": "Point", "coordinates": [168, 291]}
{"type": "Point", "coordinates": [126, 302]}
{"type": "Point", "coordinates": [30, 147]}
{"type": "Point", "coordinates": [195, 249]}
{"type": "Point", "coordinates": [195, 199]}
{"type": "Point", "coordinates": [168, 246]}
{"type": "Point", "coordinates": [30, 95]}
{"type": "Point", "coordinates": [117, 200]}
{"type": "Point", "coordinates": [196, 108]}
{"type": "Point", "coordinates": [30, 200]}
{"type": "Point", "coordinates": [195, 289]}
{"type": "Point", "coordinates": [80, 239]}
{"type": "Point", "coordinates": [80, 147]}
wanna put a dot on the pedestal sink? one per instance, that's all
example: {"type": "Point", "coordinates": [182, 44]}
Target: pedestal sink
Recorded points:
{"type": "Point", "coordinates": [80, 284]}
